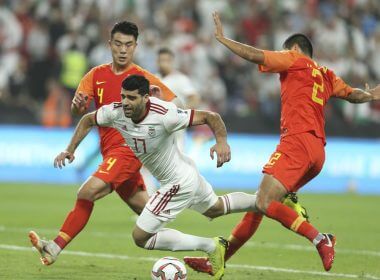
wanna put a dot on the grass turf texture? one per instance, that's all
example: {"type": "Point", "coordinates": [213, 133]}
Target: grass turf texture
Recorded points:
{"type": "Point", "coordinates": [24, 207]}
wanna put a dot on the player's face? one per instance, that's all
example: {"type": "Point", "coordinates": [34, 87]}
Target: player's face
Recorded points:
{"type": "Point", "coordinates": [165, 63]}
{"type": "Point", "coordinates": [122, 47]}
{"type": "Point", "coordinates": [134, 105]}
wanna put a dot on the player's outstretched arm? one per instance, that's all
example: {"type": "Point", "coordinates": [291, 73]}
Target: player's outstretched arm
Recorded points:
{"type": "Point", "coordinates": [245, 51]}
{"type": "Point", "coordinates": [216, 124]}
{"type": "Point", "coordinates": [361, 96]}
{"type": "Point", "coordinates": [83, 128]}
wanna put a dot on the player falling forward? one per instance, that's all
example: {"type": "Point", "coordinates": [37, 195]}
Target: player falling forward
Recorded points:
{"type": "Point", "coordinates": [148, 125]}
{"type": "Point", "coordinates": [119, 170]}
{"type": "Point", "coordinates": [305, 89]}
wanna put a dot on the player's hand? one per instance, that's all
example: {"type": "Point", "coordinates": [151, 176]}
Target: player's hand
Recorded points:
{"type": "Point", "coordinates": [155, 91]}
{"type": "Point", "coordinates": [59, 160]}
{"type": "Point", "coordinates": [223, 153]}
{"type": "Point", "coordinates": [79, 101]}
{"type": "Point", "coordinates": [375, 92]}
{"type": "Point", "coordinates": [218, 26]}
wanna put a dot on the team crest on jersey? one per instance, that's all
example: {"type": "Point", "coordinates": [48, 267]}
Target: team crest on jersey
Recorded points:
{"type": "Point", "coordinates": [124, 127]}
{"type": "Point", "coordinates": [151, 131]}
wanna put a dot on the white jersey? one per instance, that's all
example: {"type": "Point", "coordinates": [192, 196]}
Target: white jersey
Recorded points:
{"type": "Point", "coordinates": [180, 84]}
{"type": "Point", "coordinates": [152, 139]}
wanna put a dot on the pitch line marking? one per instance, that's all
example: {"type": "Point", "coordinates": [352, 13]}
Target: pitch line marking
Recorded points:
{"type": "Point", "coordinates": [265, 245]}
{"type": "Point", "coordinates": [236, 266]}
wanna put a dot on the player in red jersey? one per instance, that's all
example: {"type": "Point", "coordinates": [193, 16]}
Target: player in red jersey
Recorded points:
{"type": "Point", "coordinates": [119, 170]}
{"type": "Point", "coordinates": [305, 89]}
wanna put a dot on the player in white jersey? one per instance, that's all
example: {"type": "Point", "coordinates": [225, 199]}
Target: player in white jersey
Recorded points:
{"type": "Point", "coordinates": [147, 124]}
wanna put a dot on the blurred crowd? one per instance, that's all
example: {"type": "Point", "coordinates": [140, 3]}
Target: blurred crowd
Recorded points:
{"type": "Point", "coordinates": [47, 46]}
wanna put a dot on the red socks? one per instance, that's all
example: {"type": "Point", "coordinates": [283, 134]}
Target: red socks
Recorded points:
{"type": "Point", "coordinates": [291, 220]}
{"type": "Point", "coordinates": [243, 232]}
{"type": "Point", "coordinates": [75, 222]}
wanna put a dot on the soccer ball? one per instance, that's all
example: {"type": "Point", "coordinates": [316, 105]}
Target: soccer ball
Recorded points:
{"type": "Point", "coordinates": [169, 268]}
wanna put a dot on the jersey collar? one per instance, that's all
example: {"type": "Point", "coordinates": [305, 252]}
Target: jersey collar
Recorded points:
{"type": "Point", "coordinates": [147, 108]}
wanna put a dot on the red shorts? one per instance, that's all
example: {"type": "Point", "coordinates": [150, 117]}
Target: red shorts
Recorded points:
{"type": "Point", "coordinates": [297, 159]}
{"type": "Point", "coordinates": [121, 169]}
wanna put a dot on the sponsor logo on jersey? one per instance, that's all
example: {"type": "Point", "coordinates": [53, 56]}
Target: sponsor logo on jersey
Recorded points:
{"type": "Point", "coordinates": [100, 83]}
{"type": "Point", "coordinates": [151, 131]}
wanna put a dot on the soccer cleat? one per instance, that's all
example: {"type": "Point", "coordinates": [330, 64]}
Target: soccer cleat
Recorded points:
{"type": "Point", "coordinates": [216, 257]}
{"type": "Point", "coordinates": [199, 264]}
{"type": "Point", "coordinates": [44, 247]}
{"type": "Point", "coordinates": [326, 250]}
{"type": "Point", "coordinates": [291, 200]}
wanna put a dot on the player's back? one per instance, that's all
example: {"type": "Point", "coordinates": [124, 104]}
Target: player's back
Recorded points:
{"type": "Point", "coordinates": [104, 86]}
{"type": "Point", "coordinates": [306, 88]}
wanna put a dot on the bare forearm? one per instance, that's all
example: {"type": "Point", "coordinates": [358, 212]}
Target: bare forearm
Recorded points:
{"type": "Point", "coordinates": [75, 111]}
{"type": "Point", "coordinates": [216, 124]}
{"type": "Point", "coordinates": [245, 51]}
{"type": "Point", "coordinates": [83, 128]}
{"type": "Point", "coordinates": [361, 96]}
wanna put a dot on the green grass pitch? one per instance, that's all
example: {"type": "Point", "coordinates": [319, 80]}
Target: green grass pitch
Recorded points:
{"type": "Point", "coordinates": [105, 250]}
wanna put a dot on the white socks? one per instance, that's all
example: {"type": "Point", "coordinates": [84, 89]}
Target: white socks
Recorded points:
{"type": "Point", "coordinates": [239, 202]}
{"type": "Point", "coordinates": [53, 248]}
{"type": "Point", "coordinates": [173, 240]}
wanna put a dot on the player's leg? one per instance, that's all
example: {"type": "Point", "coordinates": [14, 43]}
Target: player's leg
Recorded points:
{"type": "Point", "coordinates": [95, 187]}
{"type": "Point", "coordinates": [242, 232]}
{"type": "Point", "coordinates": [133, 192]}
{"type": "Point", "coordinates": [92, 189]}
{"type": "Point", "coordinates": [150, 234]}
{"type": "Point", "coordinates": [251, 221]}
{"type": "Point", "coordinates": [301, 159]}
{"type": "Point", "coordinates": [268, 201]}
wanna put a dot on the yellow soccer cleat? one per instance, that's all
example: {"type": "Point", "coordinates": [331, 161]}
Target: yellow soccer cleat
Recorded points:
{"type": "Point", "coordinates": [216, 257]}
{"type": "Point", "coordinates": [291, 200]}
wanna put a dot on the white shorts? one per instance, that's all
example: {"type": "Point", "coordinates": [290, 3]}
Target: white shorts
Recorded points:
{"type": "Point", "coordinates": [170, 200]}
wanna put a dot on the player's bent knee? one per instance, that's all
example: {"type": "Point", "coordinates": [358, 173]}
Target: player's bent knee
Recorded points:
{"type": "Point", "coordinates": [93, 189]}
{"type": "Point", "coordinates": [262, 204]}
{"type": "Point", "coordinates": [140, 237]}
{"type": "Point", "coordinates": [216, 210]}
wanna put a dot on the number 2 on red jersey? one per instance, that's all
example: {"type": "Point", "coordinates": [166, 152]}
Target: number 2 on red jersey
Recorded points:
{"type": "Point", "coordinates": [317, 86]}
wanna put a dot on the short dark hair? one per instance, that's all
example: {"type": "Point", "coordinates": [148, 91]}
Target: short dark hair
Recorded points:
{"type": "Point", "coordinates": [138, 82]}
{"type": "Point", "coordinates": [125, 27]}
{"type": "Point", "coordinates": [165, 50]}
{"type": "Point", "coordinates": [302, 41]}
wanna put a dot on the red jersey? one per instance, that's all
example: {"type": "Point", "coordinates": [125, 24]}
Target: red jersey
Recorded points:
{"type": "Point", "coordinates": [104, 86]}
{"type": "Point", "coordinates": [305, 89]}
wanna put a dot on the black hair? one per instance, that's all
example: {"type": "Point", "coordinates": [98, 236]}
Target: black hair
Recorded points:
{"type": "Point", "coordinates": [125, 27]}
{"type": "Point", "coordinates": [165, 50]}
{"type": "Point", "coordinates": [138, 82]}
{"type": "Point", "coordinates": [302, 41]}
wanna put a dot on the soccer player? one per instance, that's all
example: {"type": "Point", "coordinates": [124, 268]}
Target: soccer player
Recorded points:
{"type": "Point", "coordinates": [119, 170]}
{"type": "Point", "coordinates": [305, 89]}
{"type": "Point", "coordinates": [175, 80]}
{"type": "Point", "coordinates": [148, 125]}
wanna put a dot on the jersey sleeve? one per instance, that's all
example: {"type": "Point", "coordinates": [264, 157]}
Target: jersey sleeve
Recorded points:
{"type": "Point", "coordinates": [166, 93]}
{"type": "Point", "coordinates": [277, 61]}
{"type": "Point", "coordinates": [340, 88]}
{"type": "Point", "coordinates": [86, 86]}
{"type": "Point", "coordinates": [107, 114]}
{"type": "Point", "coordinates": [176, 119]}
